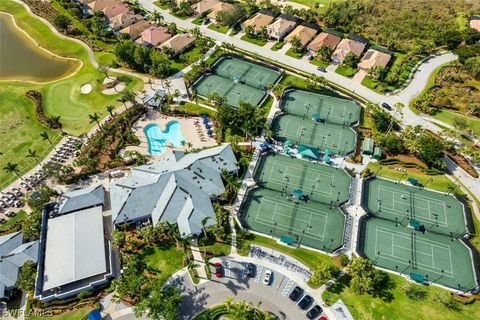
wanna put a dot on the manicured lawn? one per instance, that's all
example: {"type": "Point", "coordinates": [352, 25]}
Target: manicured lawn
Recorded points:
{"type": "Point", "coordinates": [193, 109]}
{"type": "Point", "coordinates": [293, 54]}
{"type": "Point", "coordinates": [320, 63]}
{"type": "Point", "coordinates": [218, 27]}
{"type": "Point", "coordinates": [278, 45]}
{"type": "Point", "coordinates": [256, 41]}
{"type": "Point", "coordinates": [400, 307]}
{"type": "Point", "coordinates": [106, 58]}
{"type": "Point", "coordinates": [448, 116]}
{"type": "Point", "coordinates": [61, 98]}
{"type": "Point", "coordinates": [22, 215]}
{"type": "Point", "coordinates": [198, 21]}
{"type": "Point", "coordinates": [218, 249]}
{"type": "Point", "coordinates": [308, 257]}
{"type": "Point", "coordinates": [160, 5]}
{"type": "Point", "coordinates": [437, 182]}
{"type": "Point", "coordinates": [186, 58]}
{"type": "Point", "coordinates": [162, 260]}
{"type": "Point", "coordinates": [79, 314]}
{"type": "Point", "coordinates": [322, 4]}
{"type": "Point", "coordinates": [345, 71]}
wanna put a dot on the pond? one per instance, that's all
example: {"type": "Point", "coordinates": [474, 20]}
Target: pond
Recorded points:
{"type": "Point", "coordinates": [23, 60]}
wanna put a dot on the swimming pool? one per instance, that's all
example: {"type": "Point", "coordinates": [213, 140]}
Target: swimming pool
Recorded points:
{"type": "Point", "coordinates": [158, 139]}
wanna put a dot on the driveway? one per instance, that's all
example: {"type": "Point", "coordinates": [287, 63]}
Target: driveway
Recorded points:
{"type": "Point", "coordinates": [237, 285]}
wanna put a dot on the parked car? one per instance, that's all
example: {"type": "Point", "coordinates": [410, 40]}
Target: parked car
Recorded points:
{"type": "Point", "coordinates": [268, 277]}
{"type": "Point", "coordinates": [321, 69]}
{"type": "Point", "coordinates": [296, 294]}
{"type": "Point", "coordinates": [218, 270]}
{"type": "Point", "coordinates": [314, 312]}
{"type": "Point", "coordinates": [2, 220]}
{"type": "Point", "coordinates": [250, 270]}
{"type": "Point", "coordinates": [305, 302]}
{"type": "Point", "coordinates": [386, 106]}
{"type": "Point", "coordinates": [10, 213]}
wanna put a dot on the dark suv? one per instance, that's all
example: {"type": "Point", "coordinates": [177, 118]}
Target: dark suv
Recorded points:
{"type": "Point", "coordinates": [305, 302]}
{"type": "Point", "coordinates": [296, 293]}
{"type": "Point", "coordinates": [314, 312]}
{"type": "Point", "coordinates": [386, 106]}
{"type": "Point", "coordinates": [250, 270]}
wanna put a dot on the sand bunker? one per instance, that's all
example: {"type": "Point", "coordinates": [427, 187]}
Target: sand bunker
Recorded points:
{"type": "Point", "coordinates": [86, 88]}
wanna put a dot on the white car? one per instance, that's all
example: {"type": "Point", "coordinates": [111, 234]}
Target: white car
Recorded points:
{"type": "Point", "coordinates": [268, 277]}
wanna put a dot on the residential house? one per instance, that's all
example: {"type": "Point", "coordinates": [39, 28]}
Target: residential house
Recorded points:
{"type": "Point", "coordinates": [374, 58]}
{"type": "Point", "coordinates": [204, 6]}
{"type": "Point", "coordinates": [115, 10]}
{"type": "Point", "coordinates": [280, 28]}
{"type": "Point", "coordinates": [13, 254]}
{"type": "Point", "coordinates": [324, 39]}
{"type": "Point", "coordinates": [179, 190]}
{"type": "Point", "coordinates": [99, 5]}
{"type": "Point", "coordinates": [304, 34]}
{"type": "Point", "coordinates": [135, 30]}
{"type": "Point", "coordinates": [475, 23]}
{"type": "Point", "coordinates": [258, 22]}
{"type": "Point", "coordinates": [74, 253]}
{"type": "Point", "coordinates": [124, 20]}
{"type": "Point", "coordinates": [345, 47]}
{"type": "Point", "coordinates": [220, 7]}
{"type": "Point", "coordinates": [153, 36]}
{"type": "Point", "coordinates": [179, 43]}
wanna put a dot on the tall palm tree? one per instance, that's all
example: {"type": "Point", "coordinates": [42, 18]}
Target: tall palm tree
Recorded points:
{"type": "Point", "coordinates": [32, 154]}
{"type": "Point", "coordinates": [167, 83]}
{"type": "Point", "coordinates": [12, 168]}
{"type": "Point", "coordinates": [95, 117]}
{"type": "Point", "coordinates": [56, 121]}
{"type": "Point", "coordinates": [110, 109]}
{"type": "Point", "coordinates": [45, 136]}
{"type": "Point", "coordinates": [157, 17]}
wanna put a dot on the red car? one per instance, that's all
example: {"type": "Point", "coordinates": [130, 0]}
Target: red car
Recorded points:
{"type": "Point", "coordinates": [323, 318]}
{"type": "Point", "coordinates": [218, 269]}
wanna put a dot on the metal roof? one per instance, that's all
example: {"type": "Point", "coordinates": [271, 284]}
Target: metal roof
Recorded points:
{"type": "Point", "coordinates": [75, 248]}
{"type": "Point", "coordinates": [81, 199]}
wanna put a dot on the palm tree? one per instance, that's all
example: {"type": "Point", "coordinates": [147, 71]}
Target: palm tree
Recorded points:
{"type": "Point", "coordinates": [33, 154]}
{"type": "Point", "coordinates": [157, 17]}
{"type": "Point", "coordinates": [204, 223]}
{"type": "Point", "coordinates": [56, 122]}
{"type": "Point", "coordinates": [95, 117]}
{"type": "Point", "coordinates": [45, 136]}
{"type": "Point", "coordinates": [167, 83]}
{"type": "Point", "coordinates": [12, 168]}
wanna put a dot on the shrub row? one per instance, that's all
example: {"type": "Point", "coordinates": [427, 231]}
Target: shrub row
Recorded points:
{"type": "Point", "coordinates": [429, 171]}
{"type": "Point", "coordinates": [36, 97]}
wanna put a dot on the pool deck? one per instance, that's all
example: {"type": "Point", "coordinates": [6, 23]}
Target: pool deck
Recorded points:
{"type": "Point", "coordinates": [190, 132]}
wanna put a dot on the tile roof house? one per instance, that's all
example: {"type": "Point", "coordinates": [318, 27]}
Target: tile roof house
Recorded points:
{"type": "Point", "coordinates": [475, 23]}
{"type": "Point", "coordinates": [81, 199]}
{"type": "Point", "coordinates": [153, 36]}
{"type": "Point", "coordinates": [220, 7]}
{"type": "Point", "coordinates": [13, 254]}
{"type": "Point", "coordinates": [99, 5]}
{"type": "Point", "coordinates": [324, 39]}
{"type": "Point", "coordinates": [115, 10]}
{"type": "Point", "coordinates": [280, 28]}
{"type": "Point", "coordinates": [304, 33]}
{"type": "Point", "coordinates": [179, 189]}
{"type": "Point", "coordinates": [346, 46]}
{"type": "Point", "coordinates": [258, 22]}
{"type": "Point", "coordinates": [374, 58]}
{"type": "Point", "coordinates": [204, 6]}
{"type": "Point", "coordinates": [74, 253]}
{"type": "Point", "coordinates": [124, 20]}
{"type": "Point", "coordinates": [179, 43]}
{"type": "Point", "coordinates": [135, 30]}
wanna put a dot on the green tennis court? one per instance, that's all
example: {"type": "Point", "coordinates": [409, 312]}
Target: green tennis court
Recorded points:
{"type": "Point", "coordinates": [298, 199]}
{"type": "Point", "coordinates": [313, 224]}
{"type": "Point", "coordinates": [237, 80]}
{"type": "Point", "coordinates": [398, 202]}
{"type": "Point", "coordinates": [330, 109]}
{"type": "Point", "coordinates": [320, 182]}
{"type": "Point", "coordinates": [435, 257]}
{"type": "Point", "coordinates": [336, 138]}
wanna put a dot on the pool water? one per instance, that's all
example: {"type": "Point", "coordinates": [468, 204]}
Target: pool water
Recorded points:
{"type": "Point", "coordinates": [158, 139]}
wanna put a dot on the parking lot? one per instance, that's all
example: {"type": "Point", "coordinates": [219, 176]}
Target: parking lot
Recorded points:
{"type": "Point", "coordinates": [235, 283]}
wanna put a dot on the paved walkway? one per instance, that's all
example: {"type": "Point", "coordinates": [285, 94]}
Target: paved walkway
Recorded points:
{"type": "Point", "coordinates": [199, 264]}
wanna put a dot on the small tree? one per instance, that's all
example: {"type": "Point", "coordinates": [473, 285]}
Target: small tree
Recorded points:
{"type": "Point", "coordinates": [325, 53]}
{"type": "Point", "coordinates": [26, 277]}
{"type": "Point", "coordinates": [350, 60]}
{"type": "Point", "coordinates": [61, 22]}
{"type": "Point", "coordinates": [296, 44]}
{"type": "Point", "coordinates": [322, 274]}
{"type": "Point", "coordinates": [459, 123]}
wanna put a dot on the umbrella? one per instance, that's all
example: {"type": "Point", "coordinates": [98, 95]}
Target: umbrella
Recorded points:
{"type": "Point", "coordinates": [205, 121]}
{"type": "Point", "coordinates": [288, 142]}
{"type": "Point", "coordinates": [326, 159]}
{"type": "Point", "coordinates": [328, 152]}
{"type": "Point", "coordinates": [209, 132]}
{"type": "Point", "coordinates": [208, 126]}
{"type": "Point", "coordinates": [204, 116]}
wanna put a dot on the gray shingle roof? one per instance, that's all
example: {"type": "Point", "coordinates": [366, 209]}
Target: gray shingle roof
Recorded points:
{"type": "Point", "coordinates": [13, 254]}
{"type": "Point", "coordinates": [81, 199]}
{"type": "Point", "coordinates": [177, 189]}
